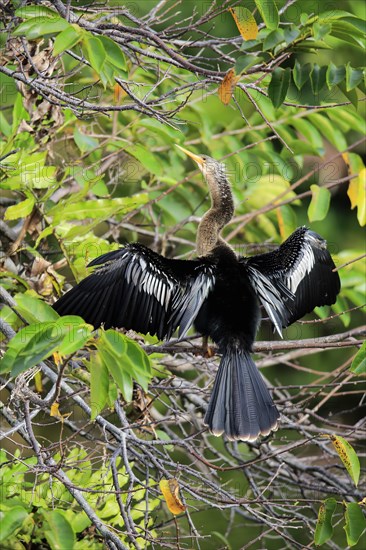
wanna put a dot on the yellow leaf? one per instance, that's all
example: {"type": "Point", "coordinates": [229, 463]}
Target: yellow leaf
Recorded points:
{"type": "Point", "coordinates": [245, 22]}
{"type": "Point", "coordinates": [57, 358]}
{"type": "Point", "coordinates": [227, 86]}
{"type": "Point", "coordinates": [55, 411]}
{"type": "Point", "coordinates": [38, 382]}
{"type": "Point", "coordinates": [281, 223]}
{"type": "Point", "coordinates": [170, 490]}
{"type": "Point", "coordinates": [357, 186]}
{"type": "Point", "coordinates": [361, 199]}
{"type": "Point", "coordinates": [352, 192]}
{"type": "Point", "coordinates": [357, 195]}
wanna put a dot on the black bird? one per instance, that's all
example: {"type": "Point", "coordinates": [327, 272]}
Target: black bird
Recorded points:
{"type": "Point", "coordinates": [220, 293]}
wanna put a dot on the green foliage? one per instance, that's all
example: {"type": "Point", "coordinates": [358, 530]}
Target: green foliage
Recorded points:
{"type": "Point", "coordinates": [359, 362]}
{"type": "Point", "coordinates": [94, 165]}
{"type": "Point", "coordinates": [355, 523]}
{"type": "Point", "coordinates": [124, 360]}
{"type": "Point", "coordinates": [348, 456]}
{"type": "Point", "coordinates": [36, 342]}
{"type": "Point", "coordinates": [324, 526]}
{"type": "Point", "coordinates": [269, 13]}
{"type": "Point", "coordinates": [103, 54]}
{"type": "Point", "coordinates": [278, 87]}
{"type": "Point", "coordinates": [320, 202]}
{"type": "Point", "coordinates": [27, 515]}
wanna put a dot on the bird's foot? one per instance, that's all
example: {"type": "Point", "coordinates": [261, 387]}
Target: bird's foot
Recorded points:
{"type": "Point", "coordinates": [207, 351]}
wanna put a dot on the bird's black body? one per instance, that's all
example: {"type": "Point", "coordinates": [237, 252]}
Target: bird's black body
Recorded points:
{"type": "Point", "coordinates": [231, 312]}
{"type": "Point", "coordinates": [221, 294]}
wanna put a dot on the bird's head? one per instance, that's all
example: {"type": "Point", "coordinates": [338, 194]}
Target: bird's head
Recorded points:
{"type": "Point", "coordinates": [207, 165]}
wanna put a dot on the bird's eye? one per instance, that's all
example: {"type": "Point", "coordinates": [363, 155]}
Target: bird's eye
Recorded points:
{"type": "Point", "coordinates": [204, 157]}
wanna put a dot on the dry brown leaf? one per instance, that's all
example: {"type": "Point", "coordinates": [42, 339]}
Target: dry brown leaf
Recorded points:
{"type": "Point", "coordinates": [227, 86]}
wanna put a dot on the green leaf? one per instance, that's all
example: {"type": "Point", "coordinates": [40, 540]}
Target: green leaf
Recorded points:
{"type": "Point", "coordinates": [112, 348]}
{"type": "Point", "coordinates": [353, 77]}
{"type": "Point", "coordinates": [99, 384]}
{"type": "Point", "coordinates": [100, 189]}
{"type": "Point", "coordinates": [273, 39]}
{"type": "Point", "coordinates": [311, 45]}
{"type": "Point", "coordinates": [332, 15]}
{"type": "Point", "coordinates": [30, 172]}
{"type": "Point", "coordinates": [291, 33]}
{"type": "Point", "coordinates": [95, 52]}
{"type": "Point", "coordinates": [114, 341]}
{"type": "Point", "coordinates": [355, 523]}
{"type": "Point", "coordinates": [310, 133]}
{"type": "Point", "coordinates": [358, 366]}
{"type": "Point", "coordinates": [11, 520]}
{"type": "Point", "coordinates": [340, 307]}
{"type": "Point", "coordinates": [114, 53]}
{"type": "Point", "coordinates": [304, 18]}
{"type": "Point", "coordinates": [20, 210]}
{"type": "Point", "coordinates": [246, 61]}
{"type": "Point", "coordinates": [29, 346]}
{"type": "Point", "coordinates": [75, 333]}
{"type": "Point", "coordinates": [348, 456]}
{"type": "Point", "coordinates": [67, 39]}
{"type": "Point", "coordinates": [96, 209]}
{"type": "Point", "coordinates": [335, 75]}
{"type": "Point", "coordinates": [278, 86]}
{"type": "Point", "coordinates": [319, 204]}
{"type": "Point", "coordinates": [113, 364]}
{"type": "Point", "coordinates": [84, 141]}
{"type": "Point", "coordinates": [352, 119]}
{"type": "Point", "coordinates": [328, 130]}
{"type": "Point", "coordinates": [108, 73]}
{"type": "Point", "coordinates": [351, 95]}
{"type": "Point", "coordinates": [58, 531]}
{"type": "Point", "coordinates": [324, 527]}
{"type": "Point", "coordinates": [360, 24]}
{"type": "Point", "coordinates": [318, 78]}
{"type": "Point", "coordinates": [40, 26]}
{"type": "Point", "coordinates": [33, 309]}
{"type": "Point", "coordinates": [301, 74]}
{"type": "Point", "coordinates": [320, 30]}
{"type": "Point", "coordinates": [28, 12]}
{"type": "Point", "coordinates": [19, 113]}
{"type": "Point", "coordinates": [155, 127]}
{"type": "Point", "coordinates": [269, 12]}
{"type": "Point", "coordinates": [138, 364]}
{"type": "Point", "coordinates": [38, 341]}
{"type": "Point", "coordinates": [125, 360]}
{"type": "Point", "coordinates": [149, 160]}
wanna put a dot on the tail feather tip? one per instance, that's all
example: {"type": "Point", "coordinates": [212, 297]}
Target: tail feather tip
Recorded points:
{"type": "Point", "coordinates": [241, 406]}
{"type": "Point", "coordinates": [243, 436]}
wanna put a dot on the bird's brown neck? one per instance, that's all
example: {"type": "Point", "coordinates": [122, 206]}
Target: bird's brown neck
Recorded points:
{"type": "Point", "coordinates": [219, 215]}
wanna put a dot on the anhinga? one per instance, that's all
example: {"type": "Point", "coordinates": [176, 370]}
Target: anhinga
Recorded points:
{"type": "Point", "coordinates": [220, 293]}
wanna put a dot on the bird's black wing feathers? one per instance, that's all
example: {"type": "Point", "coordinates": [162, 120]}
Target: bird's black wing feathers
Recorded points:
{"type": "Point", "coordinates": [135, 288]}
{"type": "Point", "coordinates": [302, 266]}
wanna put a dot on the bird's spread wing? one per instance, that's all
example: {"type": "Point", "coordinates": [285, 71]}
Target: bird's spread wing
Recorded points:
{"type": "Point", "coordinates": [275, 298]}
{"type": "Point", "coordinates": [301, 271]}
{"type": "Point", "coordinates": [135, 288]}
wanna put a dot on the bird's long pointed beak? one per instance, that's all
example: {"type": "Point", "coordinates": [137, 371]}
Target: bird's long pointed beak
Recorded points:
{"type": "Point", "coordinates": [196, 158]}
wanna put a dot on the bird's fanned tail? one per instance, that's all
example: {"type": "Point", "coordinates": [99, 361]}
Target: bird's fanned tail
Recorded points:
{"type": "Point", "coordinates": [240, 404]}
